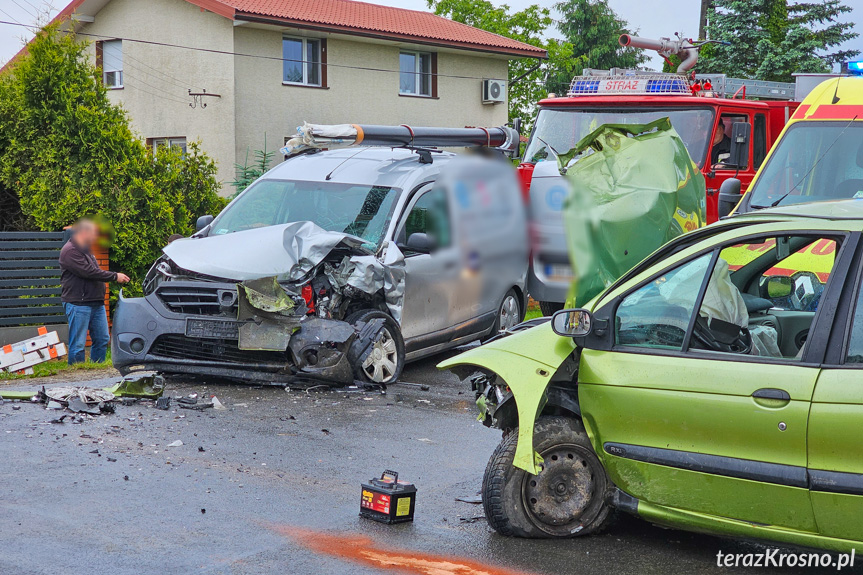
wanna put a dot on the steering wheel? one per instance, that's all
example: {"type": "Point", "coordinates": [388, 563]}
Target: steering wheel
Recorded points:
{"type": "Point", "coordinates": [707, 339]}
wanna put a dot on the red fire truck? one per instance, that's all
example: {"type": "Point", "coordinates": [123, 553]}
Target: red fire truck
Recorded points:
{"type": "Point", "coordinates": [706, 110]}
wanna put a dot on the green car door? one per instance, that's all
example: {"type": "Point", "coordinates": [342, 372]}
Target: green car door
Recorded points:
{"type": "Point", "coordinates": [835, 424]}
{"type": "Point", "coordinates": [702, 401]}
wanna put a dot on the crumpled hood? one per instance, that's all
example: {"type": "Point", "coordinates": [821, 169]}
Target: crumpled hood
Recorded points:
{"type": "Point", "coordinates": [286, 251]}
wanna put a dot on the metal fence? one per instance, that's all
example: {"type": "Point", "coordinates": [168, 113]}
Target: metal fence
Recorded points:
{"type": "Point", "coordinates": [29, 281]}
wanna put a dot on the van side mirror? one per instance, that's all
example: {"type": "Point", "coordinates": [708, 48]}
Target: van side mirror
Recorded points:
{"type": "Point", "coordinates": [420, 243]}
{"type": "Point", "coordinates": [729, 196]}
{"type": "Point", "coordinates": [203, 222]}
{"type": "Point", "coordinates": [739, 156]}
{"type": "Point", "coordinates": [571, 322]}
{"type": "Point", "coordinates": [517, 125]}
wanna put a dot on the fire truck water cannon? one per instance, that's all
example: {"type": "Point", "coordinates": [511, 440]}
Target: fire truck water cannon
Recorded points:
{"type": "Point", "coordinates": [317, 136]}
{"type": "Point", "coordinates": [666, 47]}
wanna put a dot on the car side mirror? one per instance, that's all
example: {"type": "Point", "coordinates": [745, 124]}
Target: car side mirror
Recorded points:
{"type": "Point", "coordinates": [739, 153]}
{"type": "Point", "coordinates": [777, 287]}
{"type": "Point", "coordinates": [571, 322]}
{"type": "Point", "coordinates": [517, 125]}
{"type": "Point", "coordinates": [420, 243]}
{"type": "Point", "coordinates": [203, 222]}
{"type": "Point", "coordinates": [729, 196]}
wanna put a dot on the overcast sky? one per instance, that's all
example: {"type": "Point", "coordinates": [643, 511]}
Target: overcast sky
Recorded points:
{"type": "Point", "coordinates": [651, 18]}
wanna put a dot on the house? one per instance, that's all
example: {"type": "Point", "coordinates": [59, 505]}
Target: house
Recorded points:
{"type": "Point", "coordinates": [234, 74]}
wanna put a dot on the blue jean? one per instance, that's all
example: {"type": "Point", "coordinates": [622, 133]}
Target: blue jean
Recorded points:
{"type": "Point", "coordinates": [82, 318]}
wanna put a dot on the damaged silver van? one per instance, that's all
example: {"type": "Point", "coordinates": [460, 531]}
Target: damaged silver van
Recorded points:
{"type": "Point", "coordinates": [336, 266]}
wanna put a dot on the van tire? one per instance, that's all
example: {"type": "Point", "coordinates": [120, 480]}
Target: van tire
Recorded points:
{"type": "Point", "coordinates": [507, 491]}
{"type": "Point", "coordinates": [509, 299]}
{"type": "Point", "coordinates": [393, 333]}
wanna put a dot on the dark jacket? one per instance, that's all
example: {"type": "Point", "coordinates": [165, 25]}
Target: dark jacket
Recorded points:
{"type": "Point", "coordinates": [82, 281]}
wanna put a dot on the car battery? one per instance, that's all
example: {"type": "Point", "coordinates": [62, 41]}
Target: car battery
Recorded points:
{"type": "Point", "coordinates": [387, 499]}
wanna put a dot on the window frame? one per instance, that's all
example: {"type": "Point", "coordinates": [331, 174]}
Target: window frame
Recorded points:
{"type": "Point", "coordinates": [418, 74]}
{"type": "Point", "coordinates": [320, 64]}
{"type": "Point", "coordinates": [811, 357]}
{"type": "Point", "coordinates": [155, 143]}
{"type": "Point", "coordinates": [100, 63]}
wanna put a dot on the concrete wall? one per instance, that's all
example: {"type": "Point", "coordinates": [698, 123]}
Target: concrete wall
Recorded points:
{"type": "Point", "coordinates": [359, 96]}
{"type": "Point", "coordinates": [157, 78]}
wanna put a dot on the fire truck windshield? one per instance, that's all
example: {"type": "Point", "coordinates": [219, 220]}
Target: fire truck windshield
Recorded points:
{"type": "Point", "coordinates": [813, 162]}
{"type": "Point", "coordinates": [561, 128]}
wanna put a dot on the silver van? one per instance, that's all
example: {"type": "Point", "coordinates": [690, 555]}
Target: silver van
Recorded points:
{"type": "Point", "coordinates": [336, 266]}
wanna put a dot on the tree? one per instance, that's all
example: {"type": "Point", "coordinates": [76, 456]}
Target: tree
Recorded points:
{"type": "Point", "coordinates": [67, 152]}
{"type": "Point", "coordinates": [593, 29]}
{"type": "Point", "coordinates": [771, 39]}
{"type": "Point", "coordinates": [248, 173]}
{"type": "Point", "coordinates": [527, 76]}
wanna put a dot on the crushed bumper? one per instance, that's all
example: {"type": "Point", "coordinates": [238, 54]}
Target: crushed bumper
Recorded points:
{"type": "Point", "coordinates": [153, 334]}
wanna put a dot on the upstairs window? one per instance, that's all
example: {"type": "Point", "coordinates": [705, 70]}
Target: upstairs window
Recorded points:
{"type": "Point", "coordinates": [109, 56]}
{"type": "Point", "coordinates": [417, 74]}
{"type": "Point", "coordinates": [302, 61]}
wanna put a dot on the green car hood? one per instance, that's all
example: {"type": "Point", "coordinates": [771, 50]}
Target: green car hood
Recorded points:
{"type": "Point", "coordinates": [525, 361]}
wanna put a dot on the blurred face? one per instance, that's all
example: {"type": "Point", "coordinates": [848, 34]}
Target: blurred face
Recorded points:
{"type": "Point", "coordinates": [86, 234]}
{"type": "Point", "coordinates": [720, 133]}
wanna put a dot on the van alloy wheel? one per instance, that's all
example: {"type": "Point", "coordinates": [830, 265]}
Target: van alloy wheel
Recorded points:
{"type": "Point", "coordinates": [381, 363]}
{"type": "Point", "coordinates": [510, 314]}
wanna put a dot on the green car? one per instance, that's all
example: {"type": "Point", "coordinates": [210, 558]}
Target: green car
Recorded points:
{"type": "Point", "coordinates": [716, 387]}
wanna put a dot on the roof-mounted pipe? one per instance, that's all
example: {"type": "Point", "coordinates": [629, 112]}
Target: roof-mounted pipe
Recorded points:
{"type": "Point", "coordinates": [665, 47]}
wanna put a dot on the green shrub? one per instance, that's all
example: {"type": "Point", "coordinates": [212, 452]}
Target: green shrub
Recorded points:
{"type": "Point", "coordinates": [67, 152]}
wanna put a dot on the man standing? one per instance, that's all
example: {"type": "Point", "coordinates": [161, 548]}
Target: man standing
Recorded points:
{"type": "Point", "coordinates": [82, 284]}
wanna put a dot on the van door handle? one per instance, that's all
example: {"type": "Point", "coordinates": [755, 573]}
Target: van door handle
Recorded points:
{"type": "Point", "coordinates": [771, 397]}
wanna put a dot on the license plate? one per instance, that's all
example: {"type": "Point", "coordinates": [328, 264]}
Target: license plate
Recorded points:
{"type": "Point", "coordinates": [558, 271]}
{"type": "Point", "coordinates": [212, 328]}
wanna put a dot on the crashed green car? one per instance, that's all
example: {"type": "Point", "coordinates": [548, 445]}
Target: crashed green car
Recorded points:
{"type": "Point", "coordinates": [717, 387]}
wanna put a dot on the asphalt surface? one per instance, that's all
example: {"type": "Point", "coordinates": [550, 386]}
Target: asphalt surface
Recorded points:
{"type": "Point", "coordinates": [272, 485]}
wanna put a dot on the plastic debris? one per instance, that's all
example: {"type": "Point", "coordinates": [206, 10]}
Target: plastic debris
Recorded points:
{"type": "Point", "coordinates": [177, 443]}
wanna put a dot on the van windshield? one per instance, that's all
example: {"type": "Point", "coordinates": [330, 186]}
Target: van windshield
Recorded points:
{"type": "Point", "coordinates": [562, 128]}
{"type": "Point", "coordinates": [813, 162]}
{"type": "Point", "coordinates": [357, 209]}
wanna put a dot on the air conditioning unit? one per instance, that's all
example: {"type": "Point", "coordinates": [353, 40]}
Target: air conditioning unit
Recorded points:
{"type": "Point", "coordinates": [493, 91]}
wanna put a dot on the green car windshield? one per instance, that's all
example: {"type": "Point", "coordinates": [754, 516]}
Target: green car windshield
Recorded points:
{"type": "Point", "coordinates": [558, 130]}
{"type": "Point", "coordinates": [813, 162]}
{"type": "Point", "coordinates": [361, 210]}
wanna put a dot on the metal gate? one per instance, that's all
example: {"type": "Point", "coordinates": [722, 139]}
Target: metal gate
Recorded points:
{"type": "Point", "coordinates": [30, 283]}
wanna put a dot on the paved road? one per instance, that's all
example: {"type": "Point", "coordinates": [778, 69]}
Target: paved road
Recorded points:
{"type": "Point", "coordinates": [271, 485]}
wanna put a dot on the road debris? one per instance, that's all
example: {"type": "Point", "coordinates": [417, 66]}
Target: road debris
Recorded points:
{"type": "Point", "coordinates": [20, 357]}
{"type": "Point", "coordinates": [177, 443]}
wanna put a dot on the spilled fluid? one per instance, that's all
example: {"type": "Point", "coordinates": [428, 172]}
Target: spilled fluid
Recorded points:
{"type": "Point", "coordinates": [365, 551]}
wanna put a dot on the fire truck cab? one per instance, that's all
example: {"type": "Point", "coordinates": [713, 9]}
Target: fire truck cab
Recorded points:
{"type": "Point", "coordinates": [706, 112]}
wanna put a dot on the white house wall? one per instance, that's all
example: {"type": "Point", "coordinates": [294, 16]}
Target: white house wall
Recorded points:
{"type": "Point", "coordinates": [253, 99]}
{"type": "Point", "coordinates": [358, 96]}
{"type": "Point", "coordinates": [157, 78]}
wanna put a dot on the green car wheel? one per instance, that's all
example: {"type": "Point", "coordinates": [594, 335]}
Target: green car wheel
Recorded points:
{"type": "Point", "coordinates": [566, 499]}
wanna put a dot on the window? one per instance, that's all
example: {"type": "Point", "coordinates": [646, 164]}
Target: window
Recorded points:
{"type": "Point", "coordinates": [416, 74]}
{"type": "Point", "coordinates": [557, 131]}
{"type": "Point", "coordinates": [813, 162]}
{"type": "Point", "coordinates": [156, 143]}
{"type": "Point", "coordinates": [762, 296]}
{"type": "Point", "coordinates": [720, 153]}
{"type": "Point", "coordinates": [430, 215]}
{"type": "Point", "coordinates": [360, 210]}
{"type": "Point", "coordinates": [657, 314]}
{"type": "Point", "coordinates": [303, 59]}
{"type": "Point", "coordinates": [109, 56]}
{"type": "Point", "coordinates": [759, 140]}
